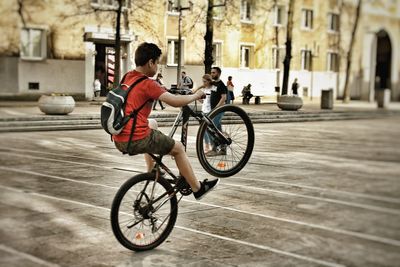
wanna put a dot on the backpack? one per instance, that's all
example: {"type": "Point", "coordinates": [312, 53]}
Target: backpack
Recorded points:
{"type": "Point", "coordinates": [112, 115]}
{"type": "Point", "coordinates": [191, 82]}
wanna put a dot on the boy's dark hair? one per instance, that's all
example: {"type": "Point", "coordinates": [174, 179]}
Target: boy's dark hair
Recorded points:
{"type": "Point", "coordinates": [145, 52]}
{"type": "Point", "coordinates": [229, 77]}
{"type": "Point", "coordinates": [218, 69]}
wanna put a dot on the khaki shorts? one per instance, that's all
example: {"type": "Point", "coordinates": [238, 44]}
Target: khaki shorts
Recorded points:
{"type": "Point", "coordinates": [156, 143]}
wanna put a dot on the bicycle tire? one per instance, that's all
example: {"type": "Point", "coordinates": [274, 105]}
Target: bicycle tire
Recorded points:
{"type": "Point", "coordinates": [115, 213]}
{"type": "Point", "coordinates": [221, 165]}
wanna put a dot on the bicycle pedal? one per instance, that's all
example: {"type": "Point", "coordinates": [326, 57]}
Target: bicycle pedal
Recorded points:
{"type": "Point", "coordinates": [183, 186]}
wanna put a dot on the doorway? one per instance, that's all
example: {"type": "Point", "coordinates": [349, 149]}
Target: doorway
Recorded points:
{"type": "Point", "coordinates": [105, 66]}
{"type": "Point", "coordinates": [383, 61]}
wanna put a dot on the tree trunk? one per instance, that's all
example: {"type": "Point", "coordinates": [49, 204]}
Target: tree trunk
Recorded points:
{"type": "Point", "coordinates": [117, 59]}
{"type": "Point", "coordinates": [346, 93]}
{"type": "Point", "coordinates": [288, 56]}
{"type": "Point", "coordinates": [208, 38]}
{"type": "Point", "coordinates": [339, 48]}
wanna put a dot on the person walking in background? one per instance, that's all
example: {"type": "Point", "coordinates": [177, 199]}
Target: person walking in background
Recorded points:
{"type": "Point", "coordinates": [206, 106]}
{"type": "Point", "coordinates": [96, 88]}
{"type": "Point", "coordinates": [186, 82]}
{"type": "Point", "coordinates": [160, 82]}
{"type": "Point", "coordinates": [230, 95]}
{"type": "Point", "coordinates": [295, 87]}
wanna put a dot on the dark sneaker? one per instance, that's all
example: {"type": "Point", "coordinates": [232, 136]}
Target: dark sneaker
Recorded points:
{"type": "Point", "coordinates": [206, 186]}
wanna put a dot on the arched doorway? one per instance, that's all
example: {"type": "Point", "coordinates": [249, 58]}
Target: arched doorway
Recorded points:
{"type": "Point", "coordinates": [383, 61]}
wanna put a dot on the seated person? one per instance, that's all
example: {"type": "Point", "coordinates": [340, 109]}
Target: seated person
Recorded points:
{"type": "Point", "coordinates": [246, 94]}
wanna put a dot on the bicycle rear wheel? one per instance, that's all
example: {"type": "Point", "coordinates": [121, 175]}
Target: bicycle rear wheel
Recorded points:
{"type": "Point", "coordinates": [143, 212]}
{"type": "Point", "coordinates": [226, 159]}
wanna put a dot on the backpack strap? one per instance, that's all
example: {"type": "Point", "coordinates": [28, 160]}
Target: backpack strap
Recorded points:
{"type": "Point", "coordinates": [133, 114]}
{"type": "Point", "coordinates": [128, 117]}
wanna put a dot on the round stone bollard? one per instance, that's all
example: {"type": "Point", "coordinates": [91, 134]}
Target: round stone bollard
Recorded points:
{"type": "Point", "coordinates": [56, 104]}
{"type": "Point", "coordinates": [289, 102]}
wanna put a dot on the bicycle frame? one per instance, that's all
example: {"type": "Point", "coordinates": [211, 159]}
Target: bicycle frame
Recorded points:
{"type": "Point", "coordinates": [183, 118]}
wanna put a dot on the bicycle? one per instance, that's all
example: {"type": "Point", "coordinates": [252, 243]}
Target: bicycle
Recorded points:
{"type": "Point", "coordinates": [145, 208]}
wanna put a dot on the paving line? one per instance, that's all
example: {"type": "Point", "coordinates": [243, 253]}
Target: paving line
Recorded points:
{"type": "Point", "coordinates": [281, 252]}
{"type": "Point", "coordinates": [387, 241]}
{"type": "Point", "coordinates": [330, 200]}
{"type": "Point", "coordinates": [361, 195]}
{"type": "Point", "coordinates": [373, 197]}
{"type": "Point", "coordinates": [267, 248]}
{"type": "Point", "coordinates": [27, 256]}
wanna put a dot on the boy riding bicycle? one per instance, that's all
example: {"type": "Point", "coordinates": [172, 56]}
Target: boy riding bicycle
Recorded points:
{"type": "Point", "coordinates": [145, 139]}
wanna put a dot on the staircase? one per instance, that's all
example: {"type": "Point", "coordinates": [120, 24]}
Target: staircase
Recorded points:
{"type": "Point", "coordinates": [86, 122]}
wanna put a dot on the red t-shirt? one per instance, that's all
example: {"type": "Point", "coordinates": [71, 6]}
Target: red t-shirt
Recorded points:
{"type": "Point", "coordinates": [144, 91]}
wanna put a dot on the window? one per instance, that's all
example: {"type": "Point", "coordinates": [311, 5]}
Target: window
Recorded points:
{"type": "Point", "coordinates": [173, 6]}
{"type": "Point", "coordinates": [307, 19]}
{"type": "Point", "coordinates": [277, 57]}
{"type": "Point", "coordinates": [306, 59]}
{"type": "Point", "coordinates": [245, 56]}
{"type": "Point", "coordinates": [108, 4]}
{"type": "Point", "coordinates": [33, 43]}
{"type": "Point", "coordinates": [172, 57]}
{"type": "Point", "coordinates": [333, 22]}
{"type": "Point", "coordinates": [245, 10]}
{"type": "Point", "coordinates": [217, 54]}
{"type": "Point", "coordinates": [332, 63]}
{"type": "Point", "coordinates": [279, 12]}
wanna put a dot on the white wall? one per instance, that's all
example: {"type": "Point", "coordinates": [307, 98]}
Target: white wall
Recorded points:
{"type": "Point", "coordinates": [9, 75]}
{"type": "Point", "coordinates": [53, 76]}
{"type": "Point", "coordinates": [262, 81]}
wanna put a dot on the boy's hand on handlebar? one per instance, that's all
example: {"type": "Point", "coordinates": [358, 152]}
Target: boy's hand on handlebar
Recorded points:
{"type": "Point", "coordinates": [199, 94]}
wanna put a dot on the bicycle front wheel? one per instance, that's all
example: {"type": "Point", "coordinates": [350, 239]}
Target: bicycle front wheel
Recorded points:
{"type": "Point", "coordinates": [223, 160]}
{"type": "Point", "coordinates": [143, 212]}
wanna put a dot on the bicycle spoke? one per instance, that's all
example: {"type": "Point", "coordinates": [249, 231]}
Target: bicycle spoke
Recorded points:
{"type": "Point", "coordinates": [144, 214]}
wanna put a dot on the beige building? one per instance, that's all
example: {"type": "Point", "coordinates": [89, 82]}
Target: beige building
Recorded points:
{"type": "Point", "coordinates": [63, 45]}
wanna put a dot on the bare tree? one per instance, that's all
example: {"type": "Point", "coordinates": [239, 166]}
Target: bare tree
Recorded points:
{"type": "Point", "coordinates": [208, 38]}
{"type": "Point", "coordinates": [346, 92]}
{"type": "Point", "coordinates": [288, 55]}
{"type": "Point", "coordinates": [118, 45]}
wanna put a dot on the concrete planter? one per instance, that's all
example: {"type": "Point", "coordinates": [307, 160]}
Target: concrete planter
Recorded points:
{"type": "Point", "coordinates": [289, 102]}
{"type": "Point", "coordinates": [56, 105]}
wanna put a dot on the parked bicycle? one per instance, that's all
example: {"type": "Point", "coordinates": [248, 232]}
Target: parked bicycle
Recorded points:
{"type": "Point", "coordinates": [145, 208]}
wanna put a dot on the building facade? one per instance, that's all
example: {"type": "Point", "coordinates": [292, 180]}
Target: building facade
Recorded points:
{"type": "Point", "coordinates": [62, 46]}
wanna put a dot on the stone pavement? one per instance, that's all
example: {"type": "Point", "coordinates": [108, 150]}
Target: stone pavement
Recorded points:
{"type": "Point", "coordinates": [312, 194]}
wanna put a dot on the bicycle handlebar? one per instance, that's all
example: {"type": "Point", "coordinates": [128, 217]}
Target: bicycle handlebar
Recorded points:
{"type": "Point", "coordinates": [177, 91]}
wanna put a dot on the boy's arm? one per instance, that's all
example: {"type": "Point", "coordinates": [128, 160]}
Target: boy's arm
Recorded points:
{"type": "Point", "coordinates": [180, 100]}
{"type": "Point", "coordinates": [198, 88]}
